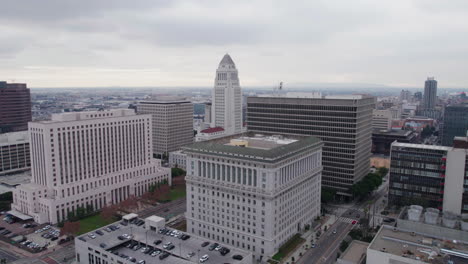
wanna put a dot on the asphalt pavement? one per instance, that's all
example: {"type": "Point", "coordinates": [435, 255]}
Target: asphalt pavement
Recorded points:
{"type": "Point", "coordinates": [8, 256]}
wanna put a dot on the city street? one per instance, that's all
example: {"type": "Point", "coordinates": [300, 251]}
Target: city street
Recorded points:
{"type": "Point", "coordinates": [328, 243]}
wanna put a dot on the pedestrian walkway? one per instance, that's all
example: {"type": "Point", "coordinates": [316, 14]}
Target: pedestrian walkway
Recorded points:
{"type": "Point", "coordinates": [346, 220]}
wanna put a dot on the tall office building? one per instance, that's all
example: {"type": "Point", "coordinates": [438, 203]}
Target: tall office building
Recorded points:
{"type": "Point", "coordinates": [15, 107]}
{"type": "Point", "coordinates": [455, 123]}
{"type": "Point", "coordinates": [87, 160]}
{"type": "Point", "coordinates": [430, 94]}
{"type": "Point", "coordinates": [344, 123]}
{"type": "Point", "coordinates": [428, 175]}
{"type": "Point", "coordinates": [227, 98]}
{"type": "Point", "coordinates": [253, 192]}
{"type": "Point", "coordinates": [172, 122]}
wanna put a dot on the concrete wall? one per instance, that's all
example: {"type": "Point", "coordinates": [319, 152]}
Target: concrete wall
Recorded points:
{"type": "Point", "coordinates": [455, 173]}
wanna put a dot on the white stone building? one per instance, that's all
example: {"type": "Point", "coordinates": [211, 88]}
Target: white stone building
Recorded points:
{"type": "Point", "coordinates": [172, 122]}
{"type": "Point", "coordinates": [178, 159]}
{"type": "Point", "coordinates": [227, 98]}
{"type": "Point", "coordinates": [87, 159]}
{"type": "Point", "coordinates": [253, 192]}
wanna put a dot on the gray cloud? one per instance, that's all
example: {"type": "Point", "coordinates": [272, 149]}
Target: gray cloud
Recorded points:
{"type": "Point", "coordinates": [360, 41]}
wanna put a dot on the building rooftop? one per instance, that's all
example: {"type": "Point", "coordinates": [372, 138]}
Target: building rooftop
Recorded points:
{"type": "Point", "coordinates": [396, 132]}
{"type": "Point", "coordinates": [355, 252]}
{"type": "Point", "coordinates": [166, 100]}
{"type": "Point", "coordinates": [117, 247]}
{"type": "Point", "coordinates": [265, 148]}
{"type": "Point", "coordinates": [212, 130]}
{"type": "Point", "coordinates": [419, 247]}
{"type": "Point", "coordinates": [88, 115]}
{"type": "Point", "coordinates": [14, 138]}
{"type": "Point", "coordinates": [420, 146]}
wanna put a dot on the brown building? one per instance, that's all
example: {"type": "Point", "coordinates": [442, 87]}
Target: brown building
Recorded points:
{"type": "Point", "coordinates": [15, 107]}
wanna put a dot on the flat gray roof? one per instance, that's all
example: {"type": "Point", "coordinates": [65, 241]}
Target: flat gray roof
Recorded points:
{"type": "Point", "coordinates": [219, 147]}
{"type": "Point", "coordinates": [147, 237]}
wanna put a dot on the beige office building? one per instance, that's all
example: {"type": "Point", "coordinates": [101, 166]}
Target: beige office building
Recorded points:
{"type": "Point", "coordinates": [172, 122]}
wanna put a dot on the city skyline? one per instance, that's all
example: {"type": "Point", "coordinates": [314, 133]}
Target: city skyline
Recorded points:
{"type": "Point", "coordinates": [177, 43]}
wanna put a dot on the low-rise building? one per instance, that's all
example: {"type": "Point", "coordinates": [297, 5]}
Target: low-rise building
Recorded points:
{"type": "Point", "coordinates": [393, 245]}
{"type": "Point", "coordinates": [354, 254]}
{"type": "Point", "coordinates": [148, 241]}
{"type": "Point", "coordinates": [14, 152]}
{"type": "Point", "coordinates": [382, 140]}
{"type": "Point", "coordinates": [210, 133]}
{"type": "Point", "coordinates": [178, 159]}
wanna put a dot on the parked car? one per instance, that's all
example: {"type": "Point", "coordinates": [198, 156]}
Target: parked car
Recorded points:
{"type": "Point", "coordinates": [164, 255]}
{"type": "Point", "coordinates": [204, 244]}
{"type": "Point", "coordinates": [204, 258]}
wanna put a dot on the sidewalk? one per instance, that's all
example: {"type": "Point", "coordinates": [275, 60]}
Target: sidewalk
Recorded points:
{"type": "Point", "coordinates": [309, 236]}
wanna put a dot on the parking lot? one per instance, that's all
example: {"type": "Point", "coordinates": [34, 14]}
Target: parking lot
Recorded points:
{"type": "Point", "coordinates": [27, 235]}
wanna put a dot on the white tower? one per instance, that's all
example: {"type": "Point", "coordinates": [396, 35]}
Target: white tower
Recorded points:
{"type": "Point", "coordinates": [227, 98]}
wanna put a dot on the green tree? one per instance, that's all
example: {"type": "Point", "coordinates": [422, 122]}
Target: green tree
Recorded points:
{"type": "Point", "coordinates": [382, 171]}
{"type": "Point", "coordinates": [80, 212]}
{"type": "Point", "coordinates": [343, 246]}
{"type": "Point", "coordinates": [327, 194]}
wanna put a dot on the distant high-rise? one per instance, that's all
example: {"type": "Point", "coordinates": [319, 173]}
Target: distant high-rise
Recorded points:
{"type": "Point", "coordinates": [418, 96]}
{"type": "Point", "coordinates": [405, 95]}
{"type": "Point", "coordinates": [172, 122]}
{"type": "Point", "coordinates": [455, 123]}
{"type": "Point", "coordinates": [15, 107]}
{"type": "Point", "coordinates": [430, 94]}
{"type": "Point", "coordinates": [207, 113]}
{"type": "Point", "coordinates": [227, 98]}
{"type": "Point", "coordinates": [344, 123]}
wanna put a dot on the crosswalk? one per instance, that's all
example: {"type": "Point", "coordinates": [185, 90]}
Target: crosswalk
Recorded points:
{"type": "Point", "coordinates": [346, 220]}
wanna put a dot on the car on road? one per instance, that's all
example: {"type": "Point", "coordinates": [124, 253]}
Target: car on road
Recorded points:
{"type": "Point", "coordinates": [313, 245]}
{"type": "Point", "coordinates": [353, 222]}
{"type": "Point", "coordinates": [170, 247]}
{"type": "Point", "coordinates": [157, 242]}
{"type": "Point", "coordinates": [237, 257]}
{"type": "Point", "coordinates": [334, 231]}
{"type": "Point", "coordinates": [190, 254]}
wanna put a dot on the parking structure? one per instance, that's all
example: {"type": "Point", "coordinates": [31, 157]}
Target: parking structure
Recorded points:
{"type": "Point", "coordinates": [136, 241]}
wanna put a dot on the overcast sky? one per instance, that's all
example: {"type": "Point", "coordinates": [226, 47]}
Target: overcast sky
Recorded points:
{"type": "Point", "coordinates": [71, 43]}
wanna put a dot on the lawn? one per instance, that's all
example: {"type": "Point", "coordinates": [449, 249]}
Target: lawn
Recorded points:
{"type": "Point", "coordinates": [177, 193]}
{"type": "Point", "coordinates": [92, 222]}
{"type": "Point", "coordinates": [288, 247]}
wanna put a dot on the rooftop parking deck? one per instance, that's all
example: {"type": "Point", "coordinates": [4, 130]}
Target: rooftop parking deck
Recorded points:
{"type": "Point", "coordinates": [184, 251]}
